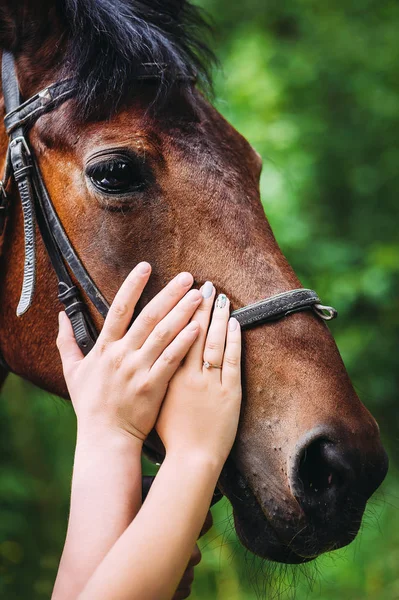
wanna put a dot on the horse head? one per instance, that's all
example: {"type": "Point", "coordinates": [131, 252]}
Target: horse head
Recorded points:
{"type": "Point", "coordinates": [149, 170]}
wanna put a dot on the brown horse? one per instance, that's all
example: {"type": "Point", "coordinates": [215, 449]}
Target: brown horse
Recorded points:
{"type": "Point", "coordinates": [152, 171]}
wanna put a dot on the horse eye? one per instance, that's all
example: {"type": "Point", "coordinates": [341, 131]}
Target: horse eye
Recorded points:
{"type": "Point", "coordinates": [117, 176]}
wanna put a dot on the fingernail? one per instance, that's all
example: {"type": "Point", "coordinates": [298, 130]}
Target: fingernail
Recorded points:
{"type": "Point", "coordinates": [207, 289]}
{"type": "Point", "coordinates": [144, 267]}
{"type": "Point", "coordinates": [233, 324]}
{"type": "Point", "coordinates": [185, 279]}
{"type": "Point", "coordinates": [61, 316]}
{"type": "Point", "coordinates": [221, 301]}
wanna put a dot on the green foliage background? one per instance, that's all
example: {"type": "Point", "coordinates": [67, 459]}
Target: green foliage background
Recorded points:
{"type": "Point", "coordinates": [315, 88]}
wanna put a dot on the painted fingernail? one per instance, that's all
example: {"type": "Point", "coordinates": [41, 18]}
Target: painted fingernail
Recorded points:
{"type": "Point", "coordinates": [207, 289]}
{"type": "Point", "coordinates": [221, 301]}
{"type": "Point", "coordinates": [185, 279]}
{"type": "Point", "coordinates": [233, 324]}
{"type": "Point", "coordinates": [144, 267]}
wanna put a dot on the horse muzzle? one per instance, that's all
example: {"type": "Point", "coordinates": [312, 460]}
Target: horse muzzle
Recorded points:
{"type": "Point", "coordinates": [320, 509]}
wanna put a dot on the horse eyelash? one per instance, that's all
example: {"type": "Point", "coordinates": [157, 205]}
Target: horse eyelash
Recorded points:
{"type": "Point", "coordinates": [106, 165]}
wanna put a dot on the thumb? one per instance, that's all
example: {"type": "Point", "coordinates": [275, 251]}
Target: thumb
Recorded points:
{"type": "Point", "coordinates": [69, 350]}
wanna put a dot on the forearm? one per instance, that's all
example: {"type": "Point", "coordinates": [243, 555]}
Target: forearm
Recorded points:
{"type": "Point", "coordinates": [159, 535]}
{"type": "Point", "coordinates": [105, 497]}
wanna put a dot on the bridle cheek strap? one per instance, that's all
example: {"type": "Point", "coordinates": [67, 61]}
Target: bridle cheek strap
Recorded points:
{"type": "Point", "coordinates": [18, 154]}
{"type": "Point", "coordinates": [38, 208]}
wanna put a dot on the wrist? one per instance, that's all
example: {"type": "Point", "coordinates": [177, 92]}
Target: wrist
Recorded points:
{"type": "Point", "coordinates": [103, 436]}
{"type": "Point", "coordinates": [196, 459]}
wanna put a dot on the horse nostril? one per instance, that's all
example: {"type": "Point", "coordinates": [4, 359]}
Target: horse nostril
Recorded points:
{"type": "Point", "coordinates": [331, 476]}
{"type": "Point", "coordinates": [322, 473]}
{"type": "Point", "coordinates": [320, 468]}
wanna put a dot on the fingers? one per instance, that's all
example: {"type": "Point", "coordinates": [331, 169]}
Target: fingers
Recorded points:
{"type": "Point", "coordinates": [170, 326]}
{"type": "Point", "coordinates": [69, 350]}
{"type": "Point", "coordinates": [157, 309]}
{"type": "Point", "coordinates": [216, 338]}
{"type": "Point", "coordinates": [167, 364]}
{"type": "Point", "coordinates": [202, 315]}
{"type": "Point", "coordinates": [122, 308]}
{"type": "Point", "coordinates": [231, 371]}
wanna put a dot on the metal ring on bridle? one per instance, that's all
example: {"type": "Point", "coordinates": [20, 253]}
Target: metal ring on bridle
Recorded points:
{"type": "Point", "coordinates": [327, 313]}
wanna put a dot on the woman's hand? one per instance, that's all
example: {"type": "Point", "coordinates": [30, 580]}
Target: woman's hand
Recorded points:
{"type": "Point", "coordinates": [119, 386]}
{"type": "Point", "coordinates": [201, 409]}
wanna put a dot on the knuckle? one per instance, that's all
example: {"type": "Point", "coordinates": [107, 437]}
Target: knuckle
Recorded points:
{"type": "Point", "coordinates": [161, 334]}
{"type": "Point", "coordinates": [118, 358]}
{"type": "Point", "coordinates": [231, 361]}
{"type": "Point", "coordinates": [204, 308]}
{"type": "Point", "coordinates": [231, 394]}
{"type": "Point", "coordinates": [169, 358]}
{"type": "Point", "coordinates": [173, 290]}
{"type": "Point", "coordinates": [212, 345]}
{"type": "Point", "coordinates": [121, 309]}
{"type": "Point", "coordinates": [226, 395]}
{"type": "Point", "coordinates": [144, 386]}
{"type": "Point", "coordinates": [101, 347]}
{"type": "Point", "coordinates": [149, 318]}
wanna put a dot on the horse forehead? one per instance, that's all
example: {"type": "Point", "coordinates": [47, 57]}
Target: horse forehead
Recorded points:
{"type": "Point", "coordinates": [214, 146]}
{"type": "Point", "coordinates": [189, 124]}
{"type": "Point", "coordinates": [198, 135]}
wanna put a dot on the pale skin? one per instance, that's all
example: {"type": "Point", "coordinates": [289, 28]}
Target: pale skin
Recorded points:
{"type": "Point", "coordinates": [134, 379]}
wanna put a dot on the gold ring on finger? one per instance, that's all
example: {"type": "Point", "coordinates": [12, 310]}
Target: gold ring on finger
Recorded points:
{"type": "Point", "coordinates": [208, 365]}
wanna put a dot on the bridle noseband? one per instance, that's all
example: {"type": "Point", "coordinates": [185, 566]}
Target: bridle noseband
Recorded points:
{"type": "Point", "coordinates": [37, 208]}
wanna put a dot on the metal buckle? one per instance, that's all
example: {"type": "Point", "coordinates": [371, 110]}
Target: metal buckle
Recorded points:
{"type": "Point", "coordinates": [45, 96]}
{"type": "Point", "coordinates": [20, 139]}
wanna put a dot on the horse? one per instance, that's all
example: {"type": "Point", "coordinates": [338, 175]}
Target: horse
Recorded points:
{"type": "Point", "coordinates": [145, 168]}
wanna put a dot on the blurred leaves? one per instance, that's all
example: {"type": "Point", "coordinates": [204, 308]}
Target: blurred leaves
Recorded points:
{"type": "Point", "coordinates": [315, 89]}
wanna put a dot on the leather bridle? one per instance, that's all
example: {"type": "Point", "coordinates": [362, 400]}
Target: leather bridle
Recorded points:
{"type": "Point", "coordinates": [37, 207]}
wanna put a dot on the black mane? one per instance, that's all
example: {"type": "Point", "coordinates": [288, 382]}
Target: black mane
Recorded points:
{"type": "Point", "coordinates": [108, 40]}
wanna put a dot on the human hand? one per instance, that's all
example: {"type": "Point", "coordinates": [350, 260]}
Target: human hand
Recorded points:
{"type": "Point", "coordinates": [201, 410]}
{"type": "Point", "coordinates": [119, 386]}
